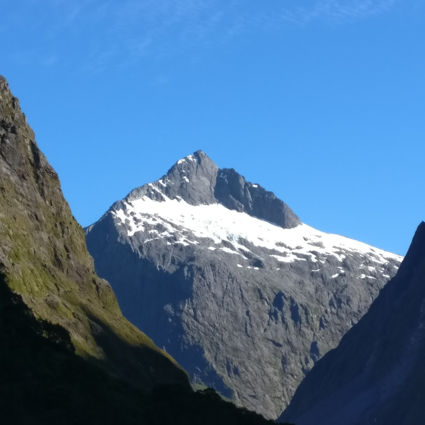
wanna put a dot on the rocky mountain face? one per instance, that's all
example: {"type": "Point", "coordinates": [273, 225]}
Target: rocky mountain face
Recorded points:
{"type": "Point", "coordinates": [224, 276]}
{"type": "Point", "coordinates": [376, 375]}
{"type": "Point", "coordinates": [44, 260]}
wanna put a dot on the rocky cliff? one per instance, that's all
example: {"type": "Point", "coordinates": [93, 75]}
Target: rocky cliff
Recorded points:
{"type": "Point", "coordinates": [44, 259]}
{"type": "Point", "coordinates": [224, 276]}
{"type": "Point", "coordinates": [376, 375]}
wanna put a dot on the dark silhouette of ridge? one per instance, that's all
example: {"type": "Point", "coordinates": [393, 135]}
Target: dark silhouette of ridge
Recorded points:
{"type": "Point", "coordinates": [376, 374]}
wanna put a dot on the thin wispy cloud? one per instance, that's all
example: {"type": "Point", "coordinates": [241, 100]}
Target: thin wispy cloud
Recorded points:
{"type": "Point", "coordinates": [337, 11]}
{"type": "Point", "coordinates": [109, 32]}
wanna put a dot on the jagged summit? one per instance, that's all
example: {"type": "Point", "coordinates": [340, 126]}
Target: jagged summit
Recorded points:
{"type": "Point", "coordinates": [197, 180]}
{"type": "Point", "coordinates": [191, 179]}
{"type": "Point", "coordinates": [198, 157]}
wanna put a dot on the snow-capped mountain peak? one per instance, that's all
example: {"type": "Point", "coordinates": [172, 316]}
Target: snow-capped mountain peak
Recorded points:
{"type": "Point", "coordinates": [224, 276]}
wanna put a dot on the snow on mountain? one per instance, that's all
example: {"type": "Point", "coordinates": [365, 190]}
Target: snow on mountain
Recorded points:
{"type": "Point", "coordinates": [178, 222]}
{"type": "Point", "coordinates": [225, 277]}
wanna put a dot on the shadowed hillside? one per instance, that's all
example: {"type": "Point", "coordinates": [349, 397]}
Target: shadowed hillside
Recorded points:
{"type": "Point", "coordinates": [43, 382]}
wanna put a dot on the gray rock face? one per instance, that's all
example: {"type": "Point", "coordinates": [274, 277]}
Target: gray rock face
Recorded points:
{"type": "Point", "coordinates": [376, 375]}
{"type": "Point", "coordinates": [235, 193]}
{"type": "Point", "coordinates": [225, 277]}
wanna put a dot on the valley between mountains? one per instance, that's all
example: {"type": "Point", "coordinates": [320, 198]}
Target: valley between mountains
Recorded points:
{"type": "Point", "coordinates": [220, 305]}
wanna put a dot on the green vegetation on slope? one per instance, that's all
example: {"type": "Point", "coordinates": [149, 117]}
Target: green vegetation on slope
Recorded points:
{"type": "Point", "coordinates": [43, 382]}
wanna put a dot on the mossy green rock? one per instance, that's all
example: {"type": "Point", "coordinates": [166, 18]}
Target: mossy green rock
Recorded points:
{"type": "Point", "coordinates": [44, 259]}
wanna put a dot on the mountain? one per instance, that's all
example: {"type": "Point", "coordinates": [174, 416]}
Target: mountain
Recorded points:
{"type": "Point", "coordinates": [67, 355]}
{"type": "Point", "coordinates": [376, 375]}
{"type": "Point", "coordinates": [225, 277]}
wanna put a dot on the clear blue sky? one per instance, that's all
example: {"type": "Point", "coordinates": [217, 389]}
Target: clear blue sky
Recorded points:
{"type": "Point", "coordinates": [320, 101]}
